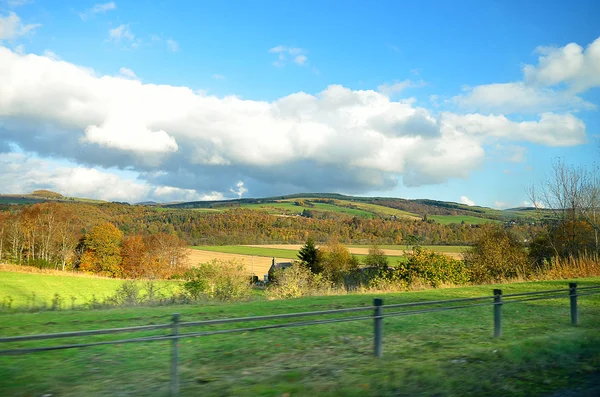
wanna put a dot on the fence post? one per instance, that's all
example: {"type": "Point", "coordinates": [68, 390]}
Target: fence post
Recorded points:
{"type": "Point", "coordinates": [378, 317]}
{"type": "Point", "coordinates": [497, 313]}
{"type": "Point", "coordinates": [175, 355]}
{"type": "Point", "coordinates": [573, 296]}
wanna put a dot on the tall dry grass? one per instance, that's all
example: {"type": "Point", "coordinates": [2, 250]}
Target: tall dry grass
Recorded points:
{"type": "Point", "coordinates": [586, 265]}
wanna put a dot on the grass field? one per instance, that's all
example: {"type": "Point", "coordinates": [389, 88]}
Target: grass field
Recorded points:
{"type": "Point", "coordinates": [436, 354]}
{"type": "Point", "coordinates": [448, 219]}
{"type": "Point", "coordinates": [267, 252]}
{"type": "Point", "coordinates": [37, 290]}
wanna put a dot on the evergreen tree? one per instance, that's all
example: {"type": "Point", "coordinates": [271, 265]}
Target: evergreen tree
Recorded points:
{"type": "Point", "coordinates": [309, 256]}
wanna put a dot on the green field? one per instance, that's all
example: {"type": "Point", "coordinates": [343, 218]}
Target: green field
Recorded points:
{"type": "Point", "coordinates": [435, 354]}
{"type": "Point", "coordinates": [37, 290]}
{"type": "Point", "coordinates": [277, 253]}
{"type": "Point", "coordinates": [448, 219]}
{"type": "Point", "coordinates": [436, 248]}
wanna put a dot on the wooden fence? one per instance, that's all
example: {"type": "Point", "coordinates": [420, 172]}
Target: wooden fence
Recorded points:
{"type": "Point", "coordinates": [378, 311]}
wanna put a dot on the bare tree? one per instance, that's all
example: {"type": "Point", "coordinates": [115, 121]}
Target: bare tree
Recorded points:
{"type": "Point", "coordinates": [571, 195]}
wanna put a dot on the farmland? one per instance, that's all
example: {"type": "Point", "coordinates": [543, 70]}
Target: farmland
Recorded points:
{"type": "Point", "coordinates": [443, 354]}
{"type": "Point", "coordinates": [38, 290]}
{"type": "Point", "coordinates": [449, 219]}
{"type": "Point", "coordinates": [263, 253]}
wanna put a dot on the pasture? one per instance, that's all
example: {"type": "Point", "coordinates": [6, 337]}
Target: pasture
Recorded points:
{"type": "Point", "coordinates": [30, 290]}
{"type": "Point", "coordinates": [468, 219]}
{"type": "Point", "coordinates": [435, 354]}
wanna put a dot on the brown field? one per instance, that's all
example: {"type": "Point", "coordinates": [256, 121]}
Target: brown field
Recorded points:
{"type": "Point", "coordinates": [261, 263]}
{"type": "Point", "coordinates": [353, 250]}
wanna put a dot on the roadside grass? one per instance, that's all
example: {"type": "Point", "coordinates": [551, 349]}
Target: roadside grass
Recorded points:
{"type": "Point", "coordinates": [435, 354]}
{"type": "Point", "coordinates": [28, 290]}
{"type": "Point", "coordinates": [448, 219]}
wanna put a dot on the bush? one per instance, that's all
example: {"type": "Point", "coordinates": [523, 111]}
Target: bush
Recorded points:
{"type": "Point", "coordinates": [431, 268]}
{"type": "Point", "coordinates": [496, 256]}
{"type": "Point", "coordinates": [218, 279]}
{"type": "Point", "coordinates": [296, 281]}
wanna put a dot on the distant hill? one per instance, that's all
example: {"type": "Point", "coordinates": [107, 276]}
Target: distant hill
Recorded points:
{"type": "Point", "coordinates": [294, 204]}
{"type": "Point", "coordinates": [47, 194]}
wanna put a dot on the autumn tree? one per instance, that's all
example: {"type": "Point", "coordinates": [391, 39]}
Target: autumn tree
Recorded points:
{"type": "Point", "coordinates": [336, 261]}
{"type": "Point", "coordinates": [497, 255]}
{"type": "Point", "coordinates": [376, 258]}
{"type": "Point", "coordinates": [102, 250]}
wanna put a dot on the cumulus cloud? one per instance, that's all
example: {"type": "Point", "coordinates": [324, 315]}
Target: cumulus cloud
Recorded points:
{"type": "Point", "coordinates": [552, 85]}
{"type": "Point", "coordinates": [11, 27]}
{"type": "Point", "coordinates": [465, 200]}
{"type": "Point", "coordinates": [97, 9]}
{"type": "Point", "coordinates": [21, 173]}
{"type": "Point", "coordinates": [551, 129]}
{"type": "Point", "coordinates": [519, 98]}
{"type": "Point", "coordinates": [339, 139]}
{"type": "Point", "coordinates": [284, 53]}
{"type": "Point", "coordinates": [240, 189]}
{"type": "Point", "coordinates": [573, 65]}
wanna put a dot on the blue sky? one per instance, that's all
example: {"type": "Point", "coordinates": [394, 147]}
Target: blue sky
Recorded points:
{"type": "Point", "coordinates": [178, 100]}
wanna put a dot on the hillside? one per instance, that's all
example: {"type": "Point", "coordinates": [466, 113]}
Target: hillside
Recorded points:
{"type": "Point", "coordinates": [367, 207]}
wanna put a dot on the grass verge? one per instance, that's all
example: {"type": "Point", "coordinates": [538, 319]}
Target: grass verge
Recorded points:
{"type": "Point", "coordinates": [436, 354]}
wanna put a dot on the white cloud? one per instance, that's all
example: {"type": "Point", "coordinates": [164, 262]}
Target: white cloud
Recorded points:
{"type": "Point", "coordinates": [518, 98]}
{"type": "Point", "coordinates": [336, 140]}
{"type": "Point", "coordinates": [172, 45]}
{"type": "Point", "coordinates": [551, 85]}
{"type": "Point", "coordinates": [121, 32]}
{"type": "Point", "coordinates": [397, 87]}
{"type": "Point", "coordinates": [126, 72]}
{"type": "Point", "coordinates": [240, 189]}
{"type": "Point", "coordinates": [97, 9]}
{"type": "Point", "coordinates": [11, 27]}
{"type": "Point", "coordinates": [501, 205]}
{"type": "Point", "coordinates": [283, 52]}
{"type": "Point", "coordinates": [465, 200]}
{"type": "Point", "coordinates": [571, 65]}
{"type": "Point", "coordinates": [17, 3]}
{"type": "Point", "coordinates": [300, 59]}
{"type": "Point", "coordinates": [551, 129]}
{"type": "Point", "coordinates": [218, 77]}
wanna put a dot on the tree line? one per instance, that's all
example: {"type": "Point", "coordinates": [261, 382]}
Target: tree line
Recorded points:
{"type": "Point", "coordinates": [58, 235]}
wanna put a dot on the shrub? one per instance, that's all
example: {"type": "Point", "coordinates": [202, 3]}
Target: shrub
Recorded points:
{"type": "Point", "coordinates": [296, 281]}
{"type": "Point", "coordinates": [496, 256]}
{"type": "Point", "coordinates": [376, 258]}
{"type": "Point", "coordinates": [431, 268]}
{"type": "Point", "coordinates": [218, 279]}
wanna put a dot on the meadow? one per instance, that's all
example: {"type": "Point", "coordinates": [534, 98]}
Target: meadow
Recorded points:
{"type": "Point", "coordinates": [468, 219]}
{"type": "Point", "coordinates": [436, 354]}
{"type": "Point", "coordinates": [19, 290]}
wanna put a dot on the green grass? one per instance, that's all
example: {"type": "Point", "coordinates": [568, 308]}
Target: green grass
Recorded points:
{"type": "Point", "coordinates": [448, 219]}
{"type": "Point", "coordinates": [436, 248]}
{"type": "Point", "coordinates": [278, 253]}
{"type": "Point", "coordinates": [37, 290]}
{"type": "Point", "coordinates": [436, 354]}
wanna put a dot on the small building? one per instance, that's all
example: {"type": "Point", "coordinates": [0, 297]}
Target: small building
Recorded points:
{"type": "Point", "coordinates": [278, 265]}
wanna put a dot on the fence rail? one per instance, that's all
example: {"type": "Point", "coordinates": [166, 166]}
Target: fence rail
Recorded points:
{"type": "Point", "coordinates": [497, 300]}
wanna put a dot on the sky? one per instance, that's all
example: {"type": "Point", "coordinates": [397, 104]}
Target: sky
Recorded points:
{"type": "Point", "coordinates": [463, 101]}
